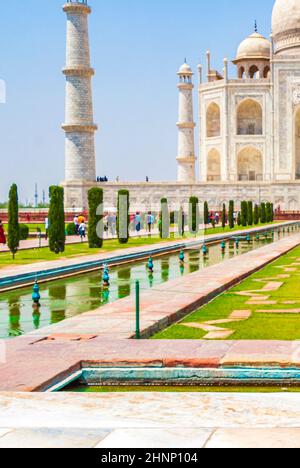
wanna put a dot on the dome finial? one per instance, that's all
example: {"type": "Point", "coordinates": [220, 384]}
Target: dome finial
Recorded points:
{"type": "Point", "coordinates": [255, 26]}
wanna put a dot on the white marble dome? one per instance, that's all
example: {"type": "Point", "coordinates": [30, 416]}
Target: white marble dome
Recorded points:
{"type": "Point", "coordinates": [185, 69]}
{"type": "Point", "coordinates": [286, 24]}
{"type": "Point", "coordinates": [255, 46]}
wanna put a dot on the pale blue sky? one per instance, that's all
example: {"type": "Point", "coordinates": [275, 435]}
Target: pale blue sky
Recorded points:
{"type": "Point", "coordinates": [136, 48]}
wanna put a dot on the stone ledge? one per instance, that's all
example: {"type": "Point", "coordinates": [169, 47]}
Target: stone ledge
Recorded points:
{"type": "Point", "coordinates": [77, 8]}
{"type": "Point", "coordinates": [74, 128]}
{"type": "Point", "coordinates": [78, 71]}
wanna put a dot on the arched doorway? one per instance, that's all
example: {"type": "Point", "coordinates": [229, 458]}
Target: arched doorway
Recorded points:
{"type": "Point", "coordinates": [254, 72]}
{"type": "Point", "coordinates": [213, 166]}
{"type": "Point", "coordinates": [250, 165]}
{"type": "Point", "coordinates": [213, 121]}
{"type": "Point", "coordinates": [297, 143]}
{"type": "Point", "coordinates": [249, 118]}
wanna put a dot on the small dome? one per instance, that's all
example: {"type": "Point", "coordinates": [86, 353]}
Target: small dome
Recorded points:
{"type": "Point", "coordinates": [185, 69]}
{"type": "Point", "coordinates": [255, 46]}
{"type": "Point", "coordinates": [286, 23]}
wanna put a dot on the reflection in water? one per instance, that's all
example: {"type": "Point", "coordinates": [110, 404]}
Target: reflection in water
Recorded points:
{"type": "Point", "coordinates": [57, 304]}
{"type": "Point", "coordinates": [73, 296]}
{"type": "Point", "coordinates": [124, 282]}
{"type": "Point", "coordinates": [36, 316]}
{"type": "Point", "coordinates": [150, 279]}
{"type": "Point", "coordinates": [14, 316]}
{"type": "Point", "coordinates": [165, 268]}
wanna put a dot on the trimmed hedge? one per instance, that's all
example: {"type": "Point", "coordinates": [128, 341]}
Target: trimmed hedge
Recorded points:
{"type": "Point", "coordinates": [95, 231]}
{"type": "Point", "coordinates": [23, 232]}
{"type": "Point", "coordinates": [121, 194]}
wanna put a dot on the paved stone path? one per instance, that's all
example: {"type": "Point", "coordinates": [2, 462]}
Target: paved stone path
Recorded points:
{"type": "Point", "coordinates": [150, 420]}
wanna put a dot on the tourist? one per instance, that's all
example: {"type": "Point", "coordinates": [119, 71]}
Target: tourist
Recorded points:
{"type": "Point", "coordinates": [112, 222]}
{"type": "Point", "coordinates": [138, 222]}
{"type": "Point", "coordinates": [2, 234]}
{"type": "Point", "coordinates": [76, 224]}
{"type": "Point", "coordinates": [81, 219]}
{"type": "Point", "coordinates": [150, 221]}
{"type": "Point", "coordinates": [82, 230]}
{"type": "Point", "coordinates": [46, 228]}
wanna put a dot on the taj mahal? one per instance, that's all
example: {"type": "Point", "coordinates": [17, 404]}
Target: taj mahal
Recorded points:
{"type": "Point", "coordinates": [248, 132]}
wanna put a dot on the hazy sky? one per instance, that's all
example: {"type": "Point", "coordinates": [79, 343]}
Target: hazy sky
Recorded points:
{"type": "Point", "coordinates": [137, 47]}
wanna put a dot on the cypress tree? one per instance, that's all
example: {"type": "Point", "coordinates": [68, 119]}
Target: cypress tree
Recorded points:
{"type": "Point", "coordinates": [244, 213]}
{"type": "Point", "coordinates": [194, 215]}
{"type": "Point", "coordinates": [231, 214]}
{"type": "Point", "coordinates": [123, 217]}
{"type": "Point", "coordinates": [206, 214]}
{"type": "Point", "coordinates": [164, 220]}
{"type": "Point", "coordinates": [263, 214]}
{"type": "Point", "coordinates": [57, 234]}
{"type": "Point", "coordinates": [272, 212]}
{"type": "Point", "coordinates": [95, 232]}
{"type": "Point", "coordinates": [224, 216]}
{"type": "Point", "coordinates": [239, 219]}
{"type": "Point", "coordinates": [250, 213]}
{"type": "Point", "coordinates": [13, 235]}
{"type": "Point", "coordinates": [256, 215]}
{"type": "Point", "coordinates": [181, 222]}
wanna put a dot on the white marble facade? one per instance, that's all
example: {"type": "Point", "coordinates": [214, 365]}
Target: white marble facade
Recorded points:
{"type": "Point", "coordinates": [248, 130]}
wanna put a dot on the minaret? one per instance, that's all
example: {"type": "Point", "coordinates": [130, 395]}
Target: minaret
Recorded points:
{"type": "Point", "coordinates": [79, 124]}
{"type": "Point", "coordinates": [186, 142]}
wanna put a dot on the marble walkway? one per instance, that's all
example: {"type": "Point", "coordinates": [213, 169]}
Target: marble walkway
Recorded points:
{"type": "Point", "coordinates": [150, 420]}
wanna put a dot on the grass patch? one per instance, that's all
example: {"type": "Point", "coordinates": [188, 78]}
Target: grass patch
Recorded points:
{"type": "Point", "coordinates": [260, 326]}
{"type": "Point", "coordinates": [24, 257]}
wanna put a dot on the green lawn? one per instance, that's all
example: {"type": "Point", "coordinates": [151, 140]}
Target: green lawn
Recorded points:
{"type": "Point", "coordinates": [260, 326]}
{"type": "Point", "coordinates": [220, 230]}
{"type": "Point", "coordinates": [41, 255]}
{"type": "Point", "coordinates": [24, 257]}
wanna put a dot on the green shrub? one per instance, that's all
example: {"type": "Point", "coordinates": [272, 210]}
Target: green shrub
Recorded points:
{"type": "Point", "coordinates": [23, 232]}
{"type": "Point", "coordinates": [269, 215]}
{"type": "Point", "coordinates": [71, 229]}
{"type": "Point", "coordinates": [250, 213]}
{"type": "Point", "coordinates": [13, 237]}
{"type": "Point", "coordinates": [122, 236]}
{"type": "Point", "coordinates": [194, 215]}
{"type": "Point", "coordinates": [256, 215]}
{"type": "Point", "coordinates": [224, 216]}
{"type": "Point", "coordinates": [263, 215]}
{"type": "Point", "coordinates": [57, 233]}
{"type": "Point", "coordinates": [164, 220]}
{"type": "Point", "coordinates": [95, 231]}
{"type": "Point", "coordinates": [244, 213]}
{"type": "Point", "coordinates": [231, 214]}
{"type": "Point", "coordinates": [206, 214]}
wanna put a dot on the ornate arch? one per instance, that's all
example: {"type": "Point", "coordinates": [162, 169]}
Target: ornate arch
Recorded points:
{"type": "Point", "coordinates": [213, 120]}
{"type": "Point", "coordinates": [249, 117]}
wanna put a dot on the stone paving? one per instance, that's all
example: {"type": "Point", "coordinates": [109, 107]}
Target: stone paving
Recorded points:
{"type": "Point", "coordinates": [150, 420]}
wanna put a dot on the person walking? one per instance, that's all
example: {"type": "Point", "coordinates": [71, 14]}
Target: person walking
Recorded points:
{"type": "Point", "coordinates": [150, 221]}
{"type": "Point", "coordinates": [138, 222]}
{"type": "Point", "coordinates": [82, 231]}
{"type": "Point", "coordinates": [46, 228]}
{"type": "Point", "coordinates": [2, 234]}
{"type": "Point", "coordinates": [76, 224]}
